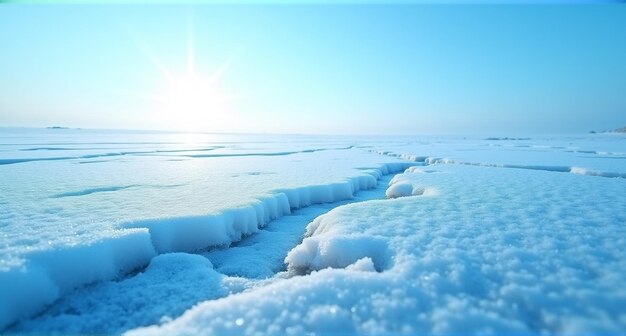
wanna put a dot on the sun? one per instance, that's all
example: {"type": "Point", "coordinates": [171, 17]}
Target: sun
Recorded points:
{"type": "Point", "coordinates": [191, 100]}
{"type": "Point", "coordinates": [191, 93]}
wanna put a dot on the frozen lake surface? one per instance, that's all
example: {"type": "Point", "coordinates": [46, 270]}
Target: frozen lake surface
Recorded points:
{"type": "Point", "coordinates": [489, 234]}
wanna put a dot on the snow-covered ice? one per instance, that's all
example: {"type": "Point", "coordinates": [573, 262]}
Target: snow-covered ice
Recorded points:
{"type": "Point", "coordinates": [479, 234]}
{"type": "Point", "coordinates": [114, 306]}
{"type": "Point", "coordinates": [597, 154]}
{"type": "Point", "coordinates": [493, 251]}
{"type": "Point", "coordinates": [66, 224]}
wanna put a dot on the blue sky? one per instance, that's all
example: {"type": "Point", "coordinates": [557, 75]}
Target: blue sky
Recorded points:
{"type": "Point", "coordinates": [315, 69]}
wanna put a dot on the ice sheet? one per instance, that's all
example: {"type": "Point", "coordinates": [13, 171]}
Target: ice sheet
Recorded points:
{"type": "Point", "coordinates": [84, 206]}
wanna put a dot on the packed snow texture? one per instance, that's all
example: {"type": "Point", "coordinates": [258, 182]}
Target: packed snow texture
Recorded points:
{"type": "Point", "coordinates": [459, 245]}
{"type": "Point", "coordinates": [169, 285]}
{"type": "Point", "coordinates": [493, 251]}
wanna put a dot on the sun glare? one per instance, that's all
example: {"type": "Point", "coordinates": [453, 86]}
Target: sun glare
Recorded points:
{"type": "Point", "coordinates": [195, 100]}
{"type": "Point", "coordinates": [190, 93]}
{"type": "Point", "coordinates": [191, 101]}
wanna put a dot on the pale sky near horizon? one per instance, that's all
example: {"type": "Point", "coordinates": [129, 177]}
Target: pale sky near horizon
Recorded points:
{"type": "Point", "coordinates": [349, 69]}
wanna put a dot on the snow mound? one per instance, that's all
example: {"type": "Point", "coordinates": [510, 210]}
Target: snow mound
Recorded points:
{"type": "Point", "coordinates": [321, 251]}
{"type": "Point", "coordinates": [402, 187]}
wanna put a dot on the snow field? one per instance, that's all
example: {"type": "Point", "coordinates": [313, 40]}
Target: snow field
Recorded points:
{"type": "Point", "coordinates": [461, 245]}
{"type": "Point", "coordinates": [112, 307]}
{"type": "Point", "coordinates": [493, 251]}
{"type": "Point", "coordinates": [49, 274]}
